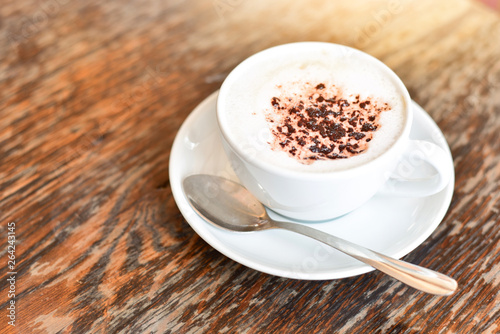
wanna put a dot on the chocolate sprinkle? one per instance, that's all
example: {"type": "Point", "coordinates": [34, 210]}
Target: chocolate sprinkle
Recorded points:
{"type": "Point", "coordinates": [331, 124]}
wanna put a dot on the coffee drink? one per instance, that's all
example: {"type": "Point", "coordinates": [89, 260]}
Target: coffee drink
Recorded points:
{"type": "Point", "coordinates": [314, 130]}
{"type": "Point", "coordinates": [313, 110]}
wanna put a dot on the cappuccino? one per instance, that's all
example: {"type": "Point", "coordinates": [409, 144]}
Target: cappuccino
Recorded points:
{"type": "Point", "coordinates": [314, 110]}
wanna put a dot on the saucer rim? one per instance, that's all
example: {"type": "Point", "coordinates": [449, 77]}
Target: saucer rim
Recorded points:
{"type": "Point", "coordinates": [350, 271]}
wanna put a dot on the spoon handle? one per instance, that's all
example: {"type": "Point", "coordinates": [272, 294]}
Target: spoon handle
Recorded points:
{"type": "Point", "coordinates": [415, 276]}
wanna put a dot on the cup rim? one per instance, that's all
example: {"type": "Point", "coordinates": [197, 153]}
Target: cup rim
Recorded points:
{"type": "Point", "coordinates": [404, 135]}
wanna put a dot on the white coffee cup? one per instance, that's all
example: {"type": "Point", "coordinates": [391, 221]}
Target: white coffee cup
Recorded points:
{"type": "Point", "coordinates": [313, 194]}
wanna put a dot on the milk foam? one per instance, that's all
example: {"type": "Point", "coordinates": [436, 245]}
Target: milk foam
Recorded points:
{"type": "Point", "coordinates": [251, 90]}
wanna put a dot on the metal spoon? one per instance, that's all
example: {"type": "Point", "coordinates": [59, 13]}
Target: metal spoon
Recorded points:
{"type": "Point", "coordinates": [229, 205]}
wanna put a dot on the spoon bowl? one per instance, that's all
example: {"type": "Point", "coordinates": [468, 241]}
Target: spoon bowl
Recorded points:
{"type": "Point", "coordinates": [225, 204]}
{"type": "Point", "coordinates": [228, 205]}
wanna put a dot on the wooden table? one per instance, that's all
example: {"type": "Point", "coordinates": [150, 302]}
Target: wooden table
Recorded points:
{"type": "Point", "coordinates": [92, 94]}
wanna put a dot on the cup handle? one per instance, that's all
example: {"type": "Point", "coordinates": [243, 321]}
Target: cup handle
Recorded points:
{"type": "Point", "coordinates": [418, 154]}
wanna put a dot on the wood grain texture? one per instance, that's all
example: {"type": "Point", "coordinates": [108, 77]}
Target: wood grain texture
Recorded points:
{"type": "Point", "coordinates": [91, 96]}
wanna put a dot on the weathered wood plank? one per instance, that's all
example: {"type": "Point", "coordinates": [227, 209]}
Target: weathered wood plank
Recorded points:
{"type": "Point", "coordinates": [91, 96]}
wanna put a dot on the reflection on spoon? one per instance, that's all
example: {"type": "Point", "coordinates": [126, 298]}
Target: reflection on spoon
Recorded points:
{"type": "Point", "coordinates": [228, 205]}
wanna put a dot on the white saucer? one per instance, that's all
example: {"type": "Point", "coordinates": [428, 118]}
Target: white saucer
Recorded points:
{"type": "Point", "coordinates": [390, 225]}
